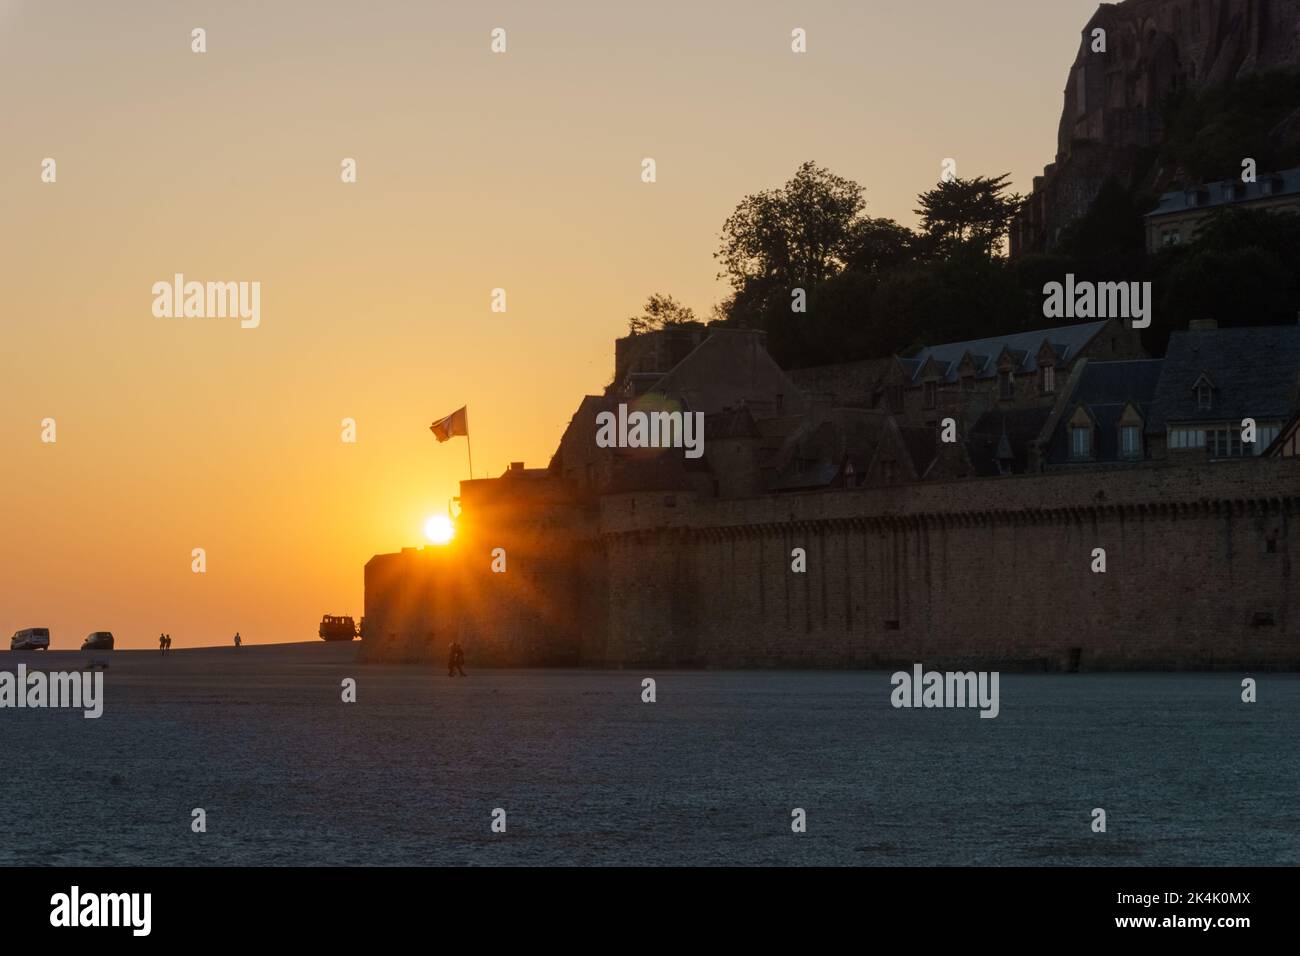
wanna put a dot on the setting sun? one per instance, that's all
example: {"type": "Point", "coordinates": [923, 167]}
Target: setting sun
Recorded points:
{"type": "Point", "coordinates": [439, 529]}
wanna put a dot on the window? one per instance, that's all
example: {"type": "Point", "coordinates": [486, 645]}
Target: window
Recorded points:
{"type": "Point", "coordinates": [931, 394]}
{"type": "Point", "coordinates": [1225, 442]}
{"type": "Point", "coordinates": [1186, 438]}
{"type": "Point", "coordinates": [894, 398]}
{"type": "Point", "coordinates": [1006, 386]}
{"type": "Point", "coordinates": [1130, 441]}
{"type": "Point", "coordinates": [1170, 237]}
{"type": "Point", "coordinates": [1048, 376]}
{"type": "Point", "coordinates": [1265, 435]}
{"type": "Point", "coordinates": [968, 383]}
{"type": "Point", "coordinates": [1204, 396]}
{"type": "Point", "coordinates": [1080, 441]}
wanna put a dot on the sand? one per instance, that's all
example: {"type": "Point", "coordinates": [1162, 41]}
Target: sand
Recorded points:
{"type": "Point", "coordinates": [260, 739]}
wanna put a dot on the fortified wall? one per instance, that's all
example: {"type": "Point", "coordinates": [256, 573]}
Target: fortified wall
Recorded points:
{"type": "Point", "coordinates": [991, 572]}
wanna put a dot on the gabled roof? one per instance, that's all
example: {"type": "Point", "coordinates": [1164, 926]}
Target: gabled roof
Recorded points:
{"type": "Point", "coordinates": [1255, 371]}
{"type": "Point", "coordinates": [1068, 340]}
{"type": "Point", "coordinates": [922, 446]}
{"type": "Point", "coordinates": [1212, 195]}
{"type": "Point", "coordinates": [730, 423]}
{"type": "Point", "coordinates": [731, 366]}
{"type": "Point", "coordinates": [1004, 435]}
{"type": "Point", "coordinates": [812, 455]}
{"type": "Point", "coordinates": [977, 363]}
{"type": "Point", "coordinates": [1104, 390]}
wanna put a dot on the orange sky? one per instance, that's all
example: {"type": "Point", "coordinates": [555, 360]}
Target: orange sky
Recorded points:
{"type": "Point", "coordinates": [475, 171]}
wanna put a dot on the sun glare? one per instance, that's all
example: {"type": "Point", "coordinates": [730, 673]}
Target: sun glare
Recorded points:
{"type": "Point", "coordinates": [439, 529]}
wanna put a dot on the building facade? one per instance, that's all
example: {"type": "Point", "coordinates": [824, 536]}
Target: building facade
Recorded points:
{"type": "Point", "coordinates": [811, 534]}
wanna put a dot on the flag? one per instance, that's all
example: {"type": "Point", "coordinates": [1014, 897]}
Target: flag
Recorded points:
{"type": "Point", "coordinates": [457, 423]}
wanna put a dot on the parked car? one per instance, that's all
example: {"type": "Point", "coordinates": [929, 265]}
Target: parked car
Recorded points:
{"type": "Point", "coordinates": [98, 641]}
{"type": "Point", "coordinates": [30, 639]}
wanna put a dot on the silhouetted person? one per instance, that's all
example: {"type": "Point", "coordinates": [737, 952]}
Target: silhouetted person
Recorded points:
{"type": "Point", "coordinates": [167, 645]}
{"type": "Point", "coordinates": [162, 643]}
{"type": "Point", "coordinates": [237, 639]}
{"type": "Point", "coordinates": [455, 659]}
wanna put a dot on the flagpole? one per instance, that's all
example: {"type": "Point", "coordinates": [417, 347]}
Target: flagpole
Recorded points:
{"type": "Point", "coordinates": [470, 449]}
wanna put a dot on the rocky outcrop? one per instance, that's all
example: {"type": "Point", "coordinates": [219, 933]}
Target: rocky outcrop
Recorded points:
{"type": "Point", "coordinates": [1112, 120]}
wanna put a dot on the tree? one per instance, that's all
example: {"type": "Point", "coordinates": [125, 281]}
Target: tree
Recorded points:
{"type": "Point", "coordinates": [661, 312]}
{"type": "Point", "coordinates": [967, 212]}
{"type": "Point", "coordinates": [797, 236]}
{"type": "Point", "coordinates": [879, 245]}
{"type": "Point", "coordinates": [1247, 286]}
{"type": "Point", "coordinates": [1112, 230]}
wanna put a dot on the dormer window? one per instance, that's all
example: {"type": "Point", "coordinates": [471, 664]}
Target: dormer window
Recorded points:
{"type": "Point", "coordinates": [931, 390]}
{"type": "Point", "coordinates": [1006, 384]}
{"type": "Point", "coordinates": [1204, 389]}
{"type": "Point", "coordinates": [1080, 441]}
{"type": "Point", "coordinates": [968, 382]}
{"type": "Point", "coordinates": [1047, 379]}
{"type": "Point", "coordinates": [1130, 441]}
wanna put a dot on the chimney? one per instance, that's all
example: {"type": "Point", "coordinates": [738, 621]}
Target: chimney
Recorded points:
{"type": "Point", "coordinates": [1202, 325]}
{"type": "Point", "coordinates": [516, 466]}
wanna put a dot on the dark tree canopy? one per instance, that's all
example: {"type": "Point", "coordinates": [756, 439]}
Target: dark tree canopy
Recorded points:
{"type": "Point", "coordinates": [968, 212]}
{"type": "Point", "coordinates": [661, 311]}
{"type": "Point", "coordinates": [797, 236]}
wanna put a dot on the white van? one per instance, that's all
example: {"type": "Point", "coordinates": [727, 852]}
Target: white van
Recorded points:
{"type": "Point", "coordinates": [30, 639]}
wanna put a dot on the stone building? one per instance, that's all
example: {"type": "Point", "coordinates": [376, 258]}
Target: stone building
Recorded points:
{"type": "Point", "coordinates": [1199, 575]}
{"type": "Point", "coordinates": [1101, 419]}
{"type": "Point", "coordinates": [657, 560]}
{"type": "Point", "coordinates": [1213, 379]}
{"type": "Point", "coordinates": [1180, 212]}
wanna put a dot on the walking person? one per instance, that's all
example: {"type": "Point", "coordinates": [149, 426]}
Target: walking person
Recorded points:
{"type": "Point", "coordinates": [238, 641]}
{"type": "Point", "coordinates": [455, 659]}
{"type": "Point", "coordinates": [167, 644]}
{"type": "Point", "coordinates": [162, 643]}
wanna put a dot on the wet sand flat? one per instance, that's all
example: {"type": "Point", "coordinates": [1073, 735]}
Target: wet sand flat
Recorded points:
{"type": "Point", "coordinates": [588, 774]}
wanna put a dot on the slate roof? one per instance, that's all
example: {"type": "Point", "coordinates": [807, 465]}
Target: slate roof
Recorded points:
{"type": "Point", "coordinates": [1106, 389]}
{"type": "Point", "coordinates": [922, 446]}
{"type": "Point", "coordinates": [1004, 435]}
{"type": "Point", "coordinates": [729, 367]}
{"type": "Point", "coordinates": [730, 423]}
{"type": "Point", "coordinates": [1255, 372]}
{"type": "Point", "coordinates": [1230, 191]}
{"type": "Point", "coordinates": [1066, 340]}
{"type": "Point", "coordinates": [811, 456]}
